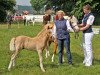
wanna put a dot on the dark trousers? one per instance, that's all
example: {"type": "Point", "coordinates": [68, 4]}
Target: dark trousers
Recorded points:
{"type": "Point", "coordinates": [61, 44]}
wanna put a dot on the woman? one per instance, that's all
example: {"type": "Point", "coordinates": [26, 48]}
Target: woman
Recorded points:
{"type": "Point", "coordinates": [9, 19]}
{"type": "Point", "coordinates": [86, 27]}
{"type": "Point", "coordinates": [61, 29]}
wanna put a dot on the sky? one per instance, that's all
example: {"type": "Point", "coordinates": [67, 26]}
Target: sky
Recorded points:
{"type": "Point", "coordinates": [23, 2]}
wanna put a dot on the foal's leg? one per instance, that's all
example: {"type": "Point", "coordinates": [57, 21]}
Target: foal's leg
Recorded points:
{"type": "Point", "coordinates": [40, 59]}
{"type": "Point", "coordinates": [26, 23]}
{"type": "Point", "coordinates": [46, 55]}
{"type": "Point", "coordinates": [12, 61]}
{"type": "Point", "coordinates": [33, 21]}
{"type": "Point", "coordinates": [47, 50]}
{"type": "Point", "coordinates": [18, 24]}
{"type": "Point", "coordinates": [55, 51]}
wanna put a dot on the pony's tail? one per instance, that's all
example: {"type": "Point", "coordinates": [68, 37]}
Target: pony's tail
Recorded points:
{"type": "Point", "coordinates": [12, 44]}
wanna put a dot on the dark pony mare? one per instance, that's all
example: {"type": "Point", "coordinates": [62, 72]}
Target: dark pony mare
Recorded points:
{"type": "Point", "coordinates": [46, 19]}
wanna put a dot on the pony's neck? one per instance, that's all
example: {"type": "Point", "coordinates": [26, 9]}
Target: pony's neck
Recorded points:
{"type": "Point", "coordinates": [40, 33]}
{"type": "Point", "coordinates": [43, 36]}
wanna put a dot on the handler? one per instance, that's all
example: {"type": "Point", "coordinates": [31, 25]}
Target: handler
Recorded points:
{"type": "Point", "coordinates": [9, 20]}
{"type": "Point", "coordinates": [86, 27]}
{"type": "Point", "coordinates": [61, 29]}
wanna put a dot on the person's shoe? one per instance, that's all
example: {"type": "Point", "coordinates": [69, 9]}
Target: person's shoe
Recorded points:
{"type": "Point", "coordinates": [59, 64]}
{"type": "Point", "coordinates": [84, 61]}
{"type": "Point", "coordinates": [70, 64]}
{"type": "Point", "coordinates": [87, 65]}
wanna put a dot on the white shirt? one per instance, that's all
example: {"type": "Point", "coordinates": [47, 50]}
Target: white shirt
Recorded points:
{"type": "Point", "coordinates": [68, 28]}
{"type": "Point", "coordinates": [90, 20]}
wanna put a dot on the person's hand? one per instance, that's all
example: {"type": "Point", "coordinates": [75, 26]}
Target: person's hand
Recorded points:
{"type": "Point", "coordinates": [80, 25]}
{"type": "Point", "coordinates": [81, 29]}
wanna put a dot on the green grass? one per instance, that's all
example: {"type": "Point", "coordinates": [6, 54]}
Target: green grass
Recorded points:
{"type": "Point", "coordinates": [27, 61]}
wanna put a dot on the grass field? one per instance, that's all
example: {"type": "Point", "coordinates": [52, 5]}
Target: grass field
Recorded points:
{"type": "Point", "coordinates": [27, 61]}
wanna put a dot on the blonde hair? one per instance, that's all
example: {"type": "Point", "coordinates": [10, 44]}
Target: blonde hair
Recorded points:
{"type": "Point", "coordinates": [60, 11]}
{"type": "Point", "coordinates": [88, 7]}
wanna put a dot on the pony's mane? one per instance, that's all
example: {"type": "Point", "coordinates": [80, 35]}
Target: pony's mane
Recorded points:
{"type": "Point", "coordinates": [41, 32]}
{"type": "Point", "coordinates": [44, 30]}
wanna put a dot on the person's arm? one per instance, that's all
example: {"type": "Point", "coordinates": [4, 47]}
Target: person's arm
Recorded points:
{"type": "Point", "coordinates": [68, 26]}
{"type": "Point", "coordinates": [81, 25]}
{"type": "Point", "coordinates": [89, 22]}
{"type": "Point", "coordinates": [84, 28]}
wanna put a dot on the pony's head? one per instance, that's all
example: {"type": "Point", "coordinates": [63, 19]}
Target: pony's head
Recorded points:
{"type": "Point", "coordinates": [49, 25]}
{"type": "Point", "coordinates": [48, 29]}
{"type": "Point", "coordinates": [74, 22]}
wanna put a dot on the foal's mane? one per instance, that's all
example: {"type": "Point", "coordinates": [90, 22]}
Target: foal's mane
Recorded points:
{"type": "Point", "coordinates": [41, 32]}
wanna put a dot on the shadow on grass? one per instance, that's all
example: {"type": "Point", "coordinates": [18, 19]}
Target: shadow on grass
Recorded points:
{"type": "Point", "coordinates": [96, 61]}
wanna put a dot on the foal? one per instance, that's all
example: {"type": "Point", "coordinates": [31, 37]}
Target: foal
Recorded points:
{"type": "Point", "coordinates": [37, 43]}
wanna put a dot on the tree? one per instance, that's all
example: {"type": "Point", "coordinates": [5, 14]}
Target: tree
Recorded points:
{"type": "Point", "coordinates": [65, 5]}
{"type": "Point", "coordinates": [5, 5]}
{"type": "Point", "coordinates": [77, 10]}
{"type": "Point", "coordinates": [38, 4]}
{"type": "Point", "coordinates": [72, 6]}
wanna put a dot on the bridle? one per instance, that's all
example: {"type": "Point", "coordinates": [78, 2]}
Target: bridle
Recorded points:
{"type": "Point", "coordinates": [76, 33]}
{"type": "Point", "coordinates": [74, 26]}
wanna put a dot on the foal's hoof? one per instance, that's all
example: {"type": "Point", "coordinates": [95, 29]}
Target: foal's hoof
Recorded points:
{"type": "Point", "coordinates": [43, 70]}
{"type": "Point", "coordinates": [46, 57]}
{"type": "Point", "coordinates": [52, 60]}
{"type": "Point", "coordinates": [9, 69]}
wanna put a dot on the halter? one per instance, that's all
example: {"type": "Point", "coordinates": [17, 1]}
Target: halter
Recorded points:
{"type": "Point", "coordinates": [71, 25]}
{"type": "Point", "coordinates": [76, 33]}
{"type": "Point", "coordinates": [74, 26]}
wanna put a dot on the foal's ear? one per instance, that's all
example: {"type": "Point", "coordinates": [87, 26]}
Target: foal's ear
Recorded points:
{"type": "Point", "coordinates": [46, 27]}
{"type": "Point", "coordinates": [49, 26]}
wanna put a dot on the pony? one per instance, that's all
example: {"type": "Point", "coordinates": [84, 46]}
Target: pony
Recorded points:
{"type": "Point", "coordinates": [17, 18]}
{"type": "Point", "coordinates": [73, 20]}
{"type": "Point", "coordinates": [46, 18]}
{"type": "Point", "coordinates": [28, 18]}
{"type": "Point", "coordinates": [37, 43]}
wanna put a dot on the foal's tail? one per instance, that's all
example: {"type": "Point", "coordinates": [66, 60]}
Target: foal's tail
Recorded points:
{"type": "Point", "coordinates": [12, 44]}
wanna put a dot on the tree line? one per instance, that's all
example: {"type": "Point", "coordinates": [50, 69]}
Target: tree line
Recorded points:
{"type": "Point", "coordinates": [5, 6]}
{"type": "Point", "coordinates": [68, 6]}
